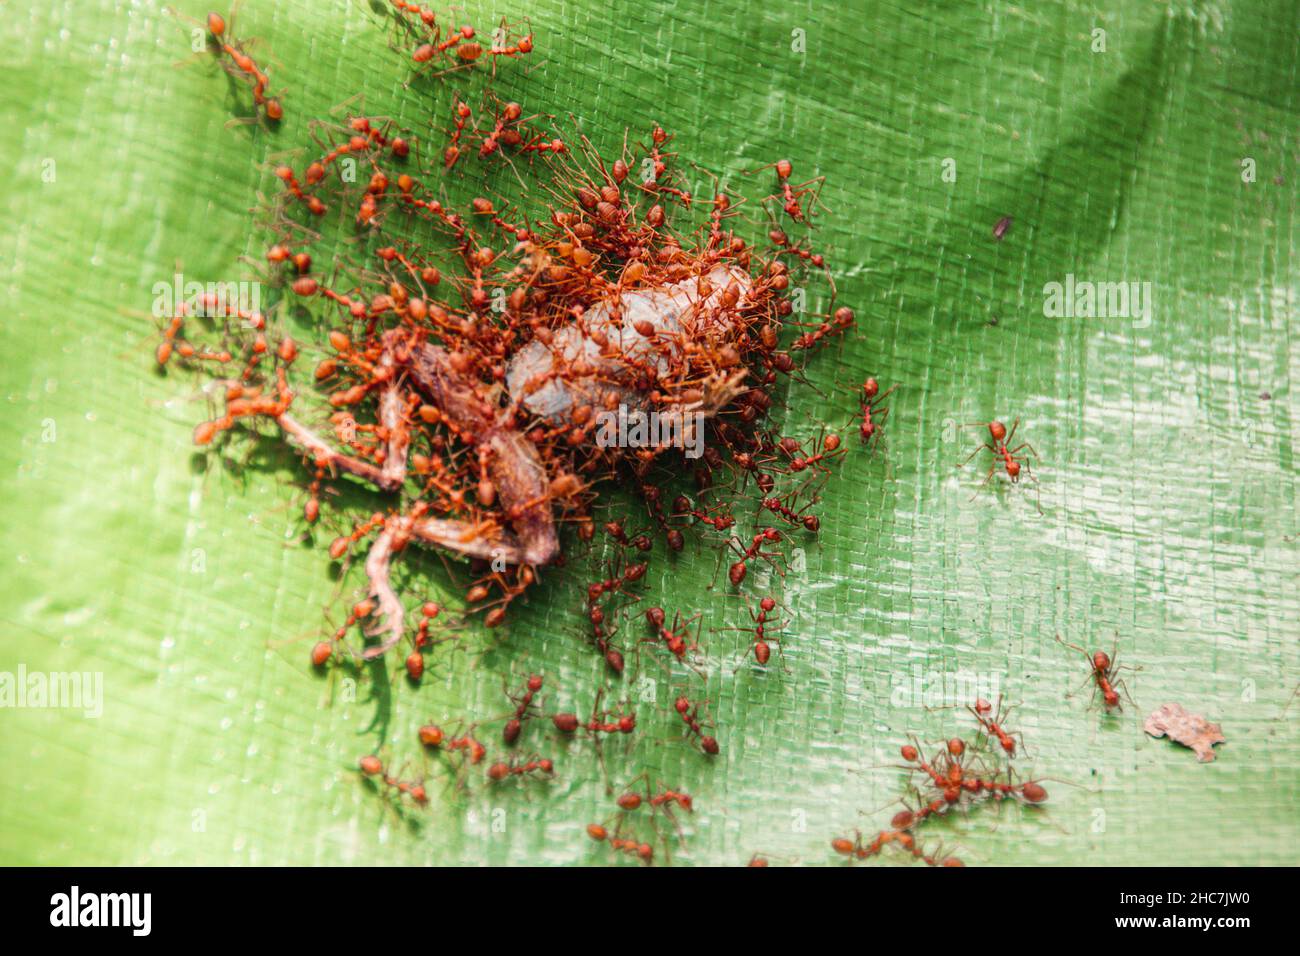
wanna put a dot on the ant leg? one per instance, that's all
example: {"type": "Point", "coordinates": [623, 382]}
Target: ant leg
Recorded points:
{"type": "Point", "coordinates": [976, 452]}
{"type": "Point", "coordinates": [1060, 640]}
{"type": "Point", "coordinates": [1025, 444]}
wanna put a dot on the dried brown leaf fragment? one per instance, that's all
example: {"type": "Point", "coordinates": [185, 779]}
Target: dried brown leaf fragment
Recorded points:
{"type": "Point", "coordinates": [1190, 730]}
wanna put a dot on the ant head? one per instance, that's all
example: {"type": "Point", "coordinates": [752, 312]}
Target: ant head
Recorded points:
{"type": "Point", "coordinates": [982, 706]}
{"type": "Point", "coordinates": [1101, 661]}
{"type": "Point", "coordinates": [997, 430]}
{"type": "Point", "coordinates": [871, 388]}
{"type": "Point", "coordinates": [767, 604]}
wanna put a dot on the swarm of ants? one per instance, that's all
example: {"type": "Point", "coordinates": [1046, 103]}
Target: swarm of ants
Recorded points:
{"type": "Point", "coordinates": [471, 360]}
{"type": "Point", "coordinates": [960, 775]}
{"type": "Point", "coordinates": [474, 397]}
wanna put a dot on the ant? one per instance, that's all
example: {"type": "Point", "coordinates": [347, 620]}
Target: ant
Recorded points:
{"type": "Point", "coordinates": [569, 723]}
{"type": "Point", "coordinates": [841, 320]}
{"type": "Point", "coordinates": [762, 629]}
{"type": "Point", "coordinates": [642, 851]}
{"type": "Point", "coordinates": [523, 704]}
{"type": "Point", "coordinates": [1009, 457]}
{"type": "Point", "coordinates": [736, 573]}
{"type": "Point", "coordinates": [630, 574]}
{"type": "Point", "coordinates": [435, 738]}
{"type": "Point", "coordinates": [859, 850]}
{"type": "Point", "coordinates": [660, 799]}
{"type": "Point", "coordinates": [780, 507]}
{"type": "Point", "coordinates": [676, 637]}
{"type": "Point", "coordinates": [873, 416]}
{"type": "Point", "coordinates": [689, 714]}
{"type": "Point", "coordinates": [653, 497]}
{"type": "Point", "coordinates": [1104, 669]}
{"type": "Point", "coordinates": [372, 767]}
{"type": "Point", "coordinates": [502, 770]}
{"type": "Point", "coordinates": [993, 724]}
{"type": "Point", "coordinates": [600, 635]}
{"type": "Point", "coordinates": [824, 448]}
{"type": "Point", "coordinates": [947, 770]}
{"type": "Point", "coordinates": [682, 507]}
{"type": "Point", "coordinates": [639, 540]}
{"type": "Point", "coordinates": [791, 196]}
{"type": "Point", "coordinates": [243, 66]}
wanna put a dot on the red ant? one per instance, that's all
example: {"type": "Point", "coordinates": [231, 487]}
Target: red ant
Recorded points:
{"type": "Point", "coordinates": [682, 507]}
{"type": "Point", "coordinates": [778, 506]}
{"type": "Point", "coordinates": [569, 723]}
{"type": "Point", "coordinates": [993, 725]}
{"type": "Point", "coordinates": [689, 714]}
{"type": "Point", "coordinates": [372, 766]}
{"type": "Point", "coordinates": [946, 769]}
{"type": "Point", "coordinates": [1103, 674]}
{"type": "Point", "coordinates": [749, 464]}
{"type": "Point", "coordinates": [784, 246]}
{"type": "Point", "coordinates": [824, 448]}
{"type": "Point", "coordinates": [462, 115]}
{"type": "Point", "coordinates": [535, 765]}
{"type": "Point", "coordinates": [640, 541]}
{"type": "Point", "coordinates": [676, 637]}
{"type": "Point", "coordinates": [433, 737]}
{"type": "Point", "coordinates": [601, 635]}
{"type": "Point", "coordinates": [243, 65]}
{"type": "Point", "coordinates": [791, 196]}
{"type": "Point", "coordinates": [873, 416]}
{"type": "Point", "coordinates": [661, 800]}
{"type": "Point", "coordinates": [762, 629]}
{"type": "Point", "coordinates": [736, 573]}
{"type": "Point", "coordinates": [523, 702]}
{"type": "Point", "coordinates": [859, 850]}
{"type": "Point", "coordinates": [631, 574]}
{"type": "Point", "coordinates": [842, 319]}
{"type": "Point", "coordinates": [642, 851]}
{"type": "Point", "coordinates": [654, 504]}
{"type": "Point", "coordinates": [999, 446]}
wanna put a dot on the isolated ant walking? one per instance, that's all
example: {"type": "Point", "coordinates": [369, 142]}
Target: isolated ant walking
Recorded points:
{"type": "Point", "coordinates": [1104, 669]}
{"type": "Point", "coordinates": [1010, 458]}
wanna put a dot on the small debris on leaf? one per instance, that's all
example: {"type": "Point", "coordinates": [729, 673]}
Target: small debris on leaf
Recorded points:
{"type": "Point", "coordinates": [1190, 730]}
{"type": "Point", "coordinates": [1001, 228]}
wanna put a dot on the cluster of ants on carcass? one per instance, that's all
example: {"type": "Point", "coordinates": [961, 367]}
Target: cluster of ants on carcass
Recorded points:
{"type": "Point", "coordinates": [472, 365]}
